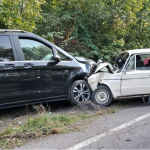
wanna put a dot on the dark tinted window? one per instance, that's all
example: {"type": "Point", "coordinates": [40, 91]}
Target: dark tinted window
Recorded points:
{"type": "Point", "coordinates": [143, 62]}
{"type": "Point", "coordinates": [6, 51]}
{"type": "Point", "coordinates": [35, 50]}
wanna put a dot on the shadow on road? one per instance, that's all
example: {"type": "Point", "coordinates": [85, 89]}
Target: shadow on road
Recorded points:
{"type": "Point", "coordinates": [135, 102]}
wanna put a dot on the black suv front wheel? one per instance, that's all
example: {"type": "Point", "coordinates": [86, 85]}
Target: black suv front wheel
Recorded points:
{"type": "Point", "coordinates": [79, 92]}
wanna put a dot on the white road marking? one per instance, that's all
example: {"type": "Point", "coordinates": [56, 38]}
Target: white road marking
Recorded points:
{"type": "Point", "coordinates": [96, 138]}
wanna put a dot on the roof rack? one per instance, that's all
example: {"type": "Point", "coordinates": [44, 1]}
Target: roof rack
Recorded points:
{"type": "Point", "coordinates": [9, 30]}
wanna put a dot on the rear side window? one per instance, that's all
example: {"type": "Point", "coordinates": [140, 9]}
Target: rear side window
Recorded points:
{"type": "Point", "coordinates": [143, 62]}
{"type": "Point", "coordinates": [6, 51]}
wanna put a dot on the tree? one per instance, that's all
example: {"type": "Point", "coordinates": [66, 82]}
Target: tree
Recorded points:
{"type": "Point", "coordinates": [20, 14]}
{"type": "Point", "coordinates": [91, 28]}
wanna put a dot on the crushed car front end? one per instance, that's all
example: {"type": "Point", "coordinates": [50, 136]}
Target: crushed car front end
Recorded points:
{"type": "Point", "coordinates": [105, 82]}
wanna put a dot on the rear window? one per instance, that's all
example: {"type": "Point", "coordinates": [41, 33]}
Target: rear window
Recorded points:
{"type": "Point", "coordinates": [6, 51]}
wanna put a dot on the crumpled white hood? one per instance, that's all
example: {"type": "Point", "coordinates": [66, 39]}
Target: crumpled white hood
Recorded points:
{"type": "Point", "coordinates": [102, 65]}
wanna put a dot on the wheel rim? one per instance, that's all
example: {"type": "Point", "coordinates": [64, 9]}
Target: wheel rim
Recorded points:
{"type": "Point", "coordinates": [81, 92]}
{"type": "Point", "coordinates": [102, 96]}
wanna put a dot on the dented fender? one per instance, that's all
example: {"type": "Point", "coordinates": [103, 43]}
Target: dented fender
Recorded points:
{"type": "Point", "coordinates": [113, 81]}
{"type": "Point", "coordinates": [94, 79]}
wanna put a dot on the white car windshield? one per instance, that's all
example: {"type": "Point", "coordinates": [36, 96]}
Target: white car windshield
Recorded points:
{"type": "Point", "coordinates": [121, 59]}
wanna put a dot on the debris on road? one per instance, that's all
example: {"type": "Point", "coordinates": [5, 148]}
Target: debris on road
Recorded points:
{"type": "Point", "coordinates": [128, 140]}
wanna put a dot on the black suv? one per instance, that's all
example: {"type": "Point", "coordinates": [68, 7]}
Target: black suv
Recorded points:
{"type": "Point", "coordinates": [33, 70]}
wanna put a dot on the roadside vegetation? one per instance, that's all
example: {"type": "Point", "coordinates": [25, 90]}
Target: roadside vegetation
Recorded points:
{"type": "Point", "coordinates": [44, 123]}
{"type": "Point", "coordinates": [41, 124]}
{"type": "Point", "coordinates": [91, 28]}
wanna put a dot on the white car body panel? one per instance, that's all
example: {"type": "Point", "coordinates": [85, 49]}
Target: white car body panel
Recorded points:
{"type": "Point", "coordinates": [125, 83]}
{"type": "Point", "coordinates": [95, 79]}
{"type": "Point", "coordinates": [138, 51]}
{"type": "Point", "coordinates": [135, 82]}
{"type": "Point", "coordinates": [113, 81]}
{"type": "Point", "coordinates": [103, 65]}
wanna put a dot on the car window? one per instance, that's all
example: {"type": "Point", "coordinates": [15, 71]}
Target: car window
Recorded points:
{"type": "Point", "coordinates": [131, 64]}
{"type": "Point", "coordinates": [63, 57]}
{"type": "Point", "coordinates": [35, 50]}
{"type": "Point", "coordinates": [121, 59]}
{"type": "Point", "coordinates": [143, 62]}
{"type": "Point", "coordinates": [6, 51]}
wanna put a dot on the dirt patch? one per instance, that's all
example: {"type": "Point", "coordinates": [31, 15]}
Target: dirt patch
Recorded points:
{"type": "Point", "coordinates": [87, 106]}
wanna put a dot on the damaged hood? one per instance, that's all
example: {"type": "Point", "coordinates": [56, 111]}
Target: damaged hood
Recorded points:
{"type": "Point", "coordinates": [103, 65]}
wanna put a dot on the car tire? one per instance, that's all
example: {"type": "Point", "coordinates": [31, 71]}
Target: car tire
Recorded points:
{"type": "Point", "coordinates": [102, 96]}
{"type": "Point", "coordinates": [79, 92]}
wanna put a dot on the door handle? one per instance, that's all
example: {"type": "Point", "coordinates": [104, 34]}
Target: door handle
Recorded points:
{"type": "Point", "coordinates": [28, 65]}
{"type": "Point", "coordinates": [10, 66]}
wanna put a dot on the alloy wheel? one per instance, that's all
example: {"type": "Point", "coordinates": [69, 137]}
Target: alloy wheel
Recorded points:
{"type": "Point", "coordinates": [81, 92]}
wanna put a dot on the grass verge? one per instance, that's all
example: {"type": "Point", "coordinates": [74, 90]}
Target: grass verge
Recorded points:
{"type": "Point", "coordinates": [45, 123]}
{"type": "Point", "coordinates": [34, 127]}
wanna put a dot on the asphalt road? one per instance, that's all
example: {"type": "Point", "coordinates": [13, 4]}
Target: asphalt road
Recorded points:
{"type": "Point", "coordinates": [131, 130]}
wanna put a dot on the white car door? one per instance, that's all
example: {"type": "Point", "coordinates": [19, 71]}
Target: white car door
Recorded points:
{"type": "Point", "coordinates": [136, 78]}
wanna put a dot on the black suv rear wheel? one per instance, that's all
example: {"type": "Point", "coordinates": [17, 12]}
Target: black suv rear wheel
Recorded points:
{"type": "Point", "coordinates": [79, 92]}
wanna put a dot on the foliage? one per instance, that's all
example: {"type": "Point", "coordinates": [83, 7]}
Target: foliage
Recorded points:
{"type": "Point", "coordinates": [94, 29]}
{"type": "Point", "coordinates": [20, 14]}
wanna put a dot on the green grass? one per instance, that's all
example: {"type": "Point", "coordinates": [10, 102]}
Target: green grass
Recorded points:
{"type": "Point", "coordinates": [42, 124]}
{"type": "Point", "coordinates": [45, 123]}
{"type": "Point", "coordinates": [2, 141]}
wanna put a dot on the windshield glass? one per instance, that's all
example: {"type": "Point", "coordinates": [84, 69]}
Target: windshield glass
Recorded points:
{"type": "Point", "coordinates": [121, 59]}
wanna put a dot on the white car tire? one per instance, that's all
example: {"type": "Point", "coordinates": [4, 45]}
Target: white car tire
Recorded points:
{"type": "Point", "coordinates": [102, 96]}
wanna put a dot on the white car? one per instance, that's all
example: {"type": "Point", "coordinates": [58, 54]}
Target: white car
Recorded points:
{"type": "Point", "coordinates": [129, 77]}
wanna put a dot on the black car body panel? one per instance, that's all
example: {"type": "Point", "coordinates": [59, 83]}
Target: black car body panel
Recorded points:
{"type": "Point", "coordinates": [34, 81]}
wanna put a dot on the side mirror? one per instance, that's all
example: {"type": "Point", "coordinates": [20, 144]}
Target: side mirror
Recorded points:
{"type": "Point", "coordinates": [57, 58]}
{"type": "Point", "coordinates": [56, 55]}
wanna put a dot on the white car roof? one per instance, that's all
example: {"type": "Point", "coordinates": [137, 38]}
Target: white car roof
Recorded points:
{"type": "Point", "coordinates": [136, 51]}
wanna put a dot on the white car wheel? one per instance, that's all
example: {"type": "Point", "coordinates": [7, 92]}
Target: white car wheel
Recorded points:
{"type": "Point", "coordinates": [102, 96]}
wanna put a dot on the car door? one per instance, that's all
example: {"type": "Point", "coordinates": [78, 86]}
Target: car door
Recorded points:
{"type": "Point", "coordinates": [41, 76]}
{"type": "Point", "coordinates": [11, 88]}
{"type": "Point", "coordinates": [136, 77]}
